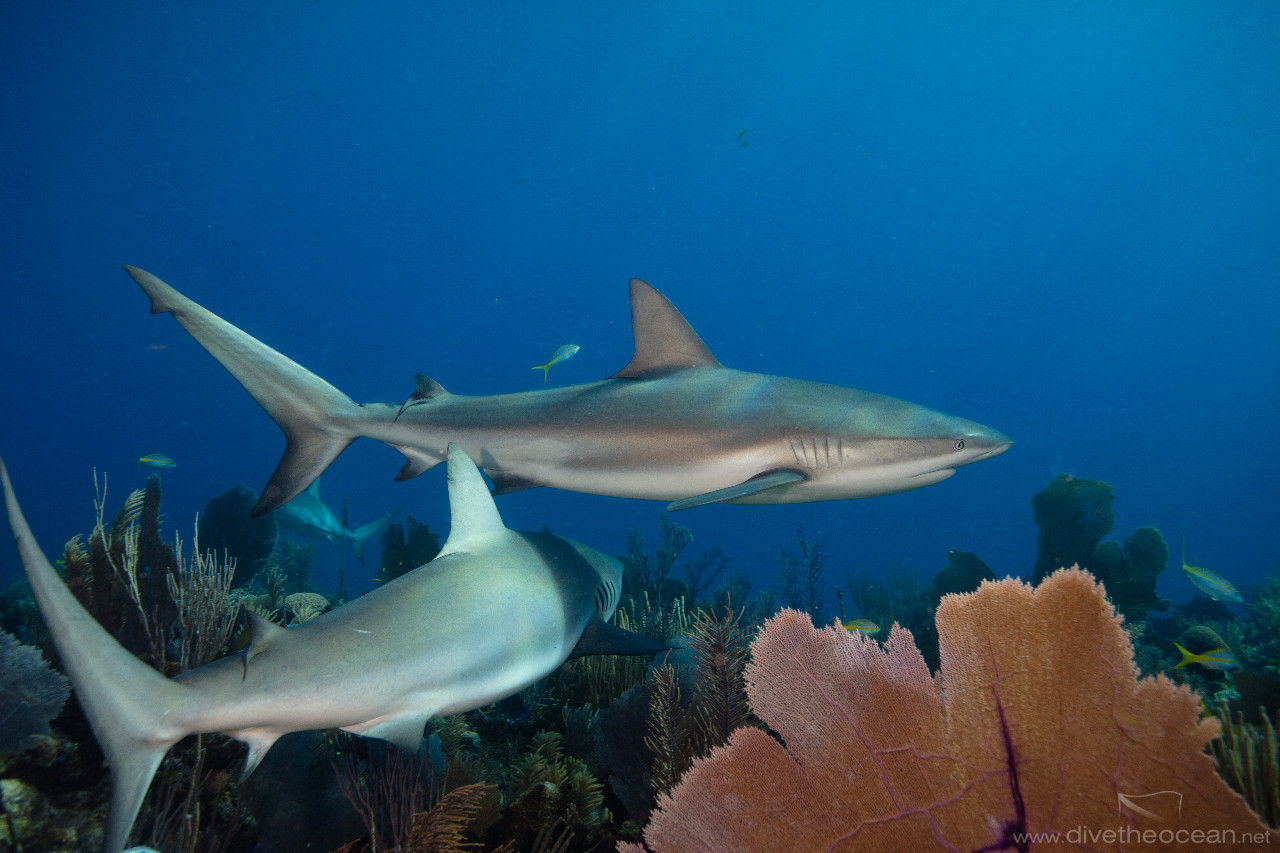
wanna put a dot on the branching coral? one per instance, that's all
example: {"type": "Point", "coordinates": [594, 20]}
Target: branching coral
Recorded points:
{"type": "Point", "coordinates": [1248, 760]}
{"type": "Point", "coordinates": [720, 649]}
{"type": "Point", "coordinates": [1036, 723]}
{"type": "Point", "coordinates": [642, 573]}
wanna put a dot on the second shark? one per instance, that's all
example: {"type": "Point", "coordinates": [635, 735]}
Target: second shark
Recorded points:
{"type": "Point", "coordinates": [673, 425]}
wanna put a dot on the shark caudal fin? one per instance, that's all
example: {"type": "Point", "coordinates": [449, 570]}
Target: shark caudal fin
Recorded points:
{"type": "Point", "coordinates": [302, 404]}
{"type": "Point", "coordinates": [132, 708]}
{"type": "Point", "coordinates": [362, 534]}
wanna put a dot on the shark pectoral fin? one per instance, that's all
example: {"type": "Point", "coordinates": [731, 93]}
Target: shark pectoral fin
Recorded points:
{"type": "Point", "coordinates": [505, 484]}
{"type": "Point", "coordinates": [755, 485]}
{"type": "Point", "coordinates": [601, 638]}
{"type": "Point", "coordinates": [404, 730]}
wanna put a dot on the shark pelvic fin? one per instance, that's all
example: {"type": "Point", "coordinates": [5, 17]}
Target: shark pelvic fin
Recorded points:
{"type": "Point", "coordinates": [259, 744]}
{"type": "Point", "coordinates": [505, 484]}
{"type": "Point", "coordinates": [601, 638]}
{"type": "Point", "coordinates": [755, 485]}
{"type": "Point", "coordinates": [665, 341]}
{"type": "Point", "coordinates": [472, 512]}
{"type": "Point", "coordinates": [404, 730]}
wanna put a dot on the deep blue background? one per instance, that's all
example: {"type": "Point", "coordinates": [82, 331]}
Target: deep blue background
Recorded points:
{"type": "Point", "coordinates": [1059, 220]}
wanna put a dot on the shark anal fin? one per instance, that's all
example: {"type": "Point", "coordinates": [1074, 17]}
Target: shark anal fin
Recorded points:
{"type": "Point", "coordinates": [601, 638]}
{"type": "Point", "coordinates": [755, 485]}
{"type": "Point", "coordinates": [415, 462]}
{"type": "Point", "coordinates": [404, 730]}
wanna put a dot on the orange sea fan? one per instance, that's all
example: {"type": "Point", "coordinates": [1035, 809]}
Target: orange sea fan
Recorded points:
{"type": "Point", "coordinates": [1037, 723]}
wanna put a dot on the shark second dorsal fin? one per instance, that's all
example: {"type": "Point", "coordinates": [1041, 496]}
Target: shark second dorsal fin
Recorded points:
{"type": "Point", "coordinates": [471, 509]}
{"type": "Point", "coordinates": [263, 635]}
{"type": "Point", "coordinates": [664, 339]}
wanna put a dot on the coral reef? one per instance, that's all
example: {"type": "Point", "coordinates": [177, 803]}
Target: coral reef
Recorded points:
{"type": "Point", "coordinates": [802, 575]}
{"type": "Point", "coordinates": [31, 694]}
{"type": "Point", "coordinates": [1247, 759]}
{"type": "Point", "coordinates": [129, 556]}
{"type": "Point", "coordinates": [642, 573]}
{"type": "Point", "coordinates": [405, 547]}
{"type": "Point", "coordinates": [1036, 722]}
{"type": "Point", "coordinates": [1073, 514]}
{"type": "Point", "coordinates": [227, 527]}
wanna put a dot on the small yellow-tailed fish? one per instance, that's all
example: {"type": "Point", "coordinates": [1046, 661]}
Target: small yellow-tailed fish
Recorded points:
{"type": "Point", "coordinates": [862, 626]}
{"type": "Point", "coordinates": [156, 460]}
{"type": "Point", "coordinates": [565, 353]}
{"type": "Point", "coordinates": [1208, 581]}
{"type": "Point", "coordinates": [1219, 659]}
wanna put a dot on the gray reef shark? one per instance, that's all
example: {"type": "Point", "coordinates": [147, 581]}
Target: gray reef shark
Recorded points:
{"type": "Point", "coordinates": [493, 613]}
{"type": "Point", "coordinates": [307, 515]}
{"type": "Point", "coordinates": [673, 425]}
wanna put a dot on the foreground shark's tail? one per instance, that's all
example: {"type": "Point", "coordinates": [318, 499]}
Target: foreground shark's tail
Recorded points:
{"type": "Point", "coordinates": [133, 710]}
{"type": "Point", "coordinates": [303, 405]}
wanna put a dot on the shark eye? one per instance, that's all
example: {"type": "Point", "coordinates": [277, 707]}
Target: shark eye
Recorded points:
{"type": "Point", "coordinates": [959, 444]}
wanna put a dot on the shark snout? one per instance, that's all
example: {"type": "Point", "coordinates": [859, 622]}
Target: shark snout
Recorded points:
{"type": "Point", "coordinates": [988, 442]}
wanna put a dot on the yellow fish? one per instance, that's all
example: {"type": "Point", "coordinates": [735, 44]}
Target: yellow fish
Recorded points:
{"type": "Point", "coordinates": [156, 460]}
{"type": "Point", "coordinates": [1219, 659]}
{"type": "Point", "coordinates": [862, 626]}
{"type": "Point", "coordinates": [565, 353]}
{"type": "Point", "coordinates": [1209, 582]}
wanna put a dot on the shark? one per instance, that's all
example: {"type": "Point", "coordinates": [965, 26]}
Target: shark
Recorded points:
{"type": "Point", "coordinates": [307, 515]}
{"type": "Point", "coordinates": [494, 612]}
{"type": "Point", "coordinates": [673, 425]}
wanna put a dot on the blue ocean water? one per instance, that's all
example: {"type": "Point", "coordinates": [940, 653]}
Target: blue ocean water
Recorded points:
{"type": "Point", "coordinates": [1058, 220]}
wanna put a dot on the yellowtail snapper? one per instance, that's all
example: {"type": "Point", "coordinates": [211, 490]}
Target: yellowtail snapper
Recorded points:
{"type": "Point", "coordinates": [1219, 659]}
{"type": "Point", "coordinates": [1209, 582]}
{"type": "Point", "coordinates": [862, 626]}
{"type": "Point", "coordinates": [565, 353]}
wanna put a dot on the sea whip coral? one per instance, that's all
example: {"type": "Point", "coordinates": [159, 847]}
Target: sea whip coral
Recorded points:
{"type": "Point", "coordinates": [1036, 723]}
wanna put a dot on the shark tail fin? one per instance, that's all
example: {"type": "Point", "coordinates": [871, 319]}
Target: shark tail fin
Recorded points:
{"type": "Point", "coordinates": [307, 409]}
{"type": "Point", "coordinates": [362, 533]}
{"type": "Point", "coordinates": [132, 709]}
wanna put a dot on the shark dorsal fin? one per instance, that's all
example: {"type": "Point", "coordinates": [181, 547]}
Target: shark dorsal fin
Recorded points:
{"type": "Point", "coordinates": [471, 508]}
{"type": "Point", "coordinates": [664, 339]}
